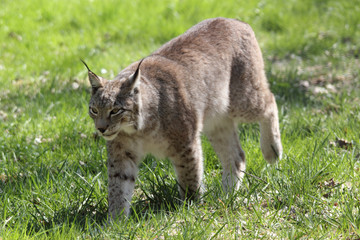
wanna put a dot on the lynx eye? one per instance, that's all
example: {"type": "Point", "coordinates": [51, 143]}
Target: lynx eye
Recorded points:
{"type": "Point", "coordinates": [116, 111]}
{"type": "Point", "coordinates": [93, 111]}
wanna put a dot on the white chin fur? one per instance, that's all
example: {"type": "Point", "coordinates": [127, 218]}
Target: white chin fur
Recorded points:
{"type": "Point", "coordinates": [109, 138]}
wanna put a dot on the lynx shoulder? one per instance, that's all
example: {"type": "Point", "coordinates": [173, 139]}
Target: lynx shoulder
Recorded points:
{"type": "Point", "coordinates": [204, 81]}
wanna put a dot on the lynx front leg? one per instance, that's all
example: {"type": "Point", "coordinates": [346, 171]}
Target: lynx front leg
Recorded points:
{"type": "Point", "coordinates": [122, 172]}
{"type": "Point", "coordinates": [189, 170]}
{"type": "Point", "coordinates": [225, 141]}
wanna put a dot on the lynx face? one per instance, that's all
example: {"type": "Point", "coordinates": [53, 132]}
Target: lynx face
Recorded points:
{"type": "Point", "coordinates": [114, 105]}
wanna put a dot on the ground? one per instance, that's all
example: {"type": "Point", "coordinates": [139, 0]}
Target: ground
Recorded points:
{"type": "Point", "coordinates": [53, 181]}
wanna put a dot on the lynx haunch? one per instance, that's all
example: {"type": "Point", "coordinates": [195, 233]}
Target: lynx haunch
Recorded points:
{"type": "Point", "coordinates": [204, 81]}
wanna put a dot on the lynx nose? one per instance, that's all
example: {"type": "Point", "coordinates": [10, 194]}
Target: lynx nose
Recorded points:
{"type": "Point", "coordinates": [102, 130]}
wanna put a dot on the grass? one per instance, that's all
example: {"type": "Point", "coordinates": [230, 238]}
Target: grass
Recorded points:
{"type": "Point", "coordinates": [53, 182]}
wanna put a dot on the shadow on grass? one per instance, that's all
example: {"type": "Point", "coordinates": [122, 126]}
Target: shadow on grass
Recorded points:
{"type": "Point", "coordinates": [55, 189]}
{"type": "Point", "coordinates": [286, 87]}
{"type": "Point", "coordinates": [159, 191]}
{"type": "Point", "coordinates": [71, 216]}
{"type": "Point", "coordinates": [83, 210]}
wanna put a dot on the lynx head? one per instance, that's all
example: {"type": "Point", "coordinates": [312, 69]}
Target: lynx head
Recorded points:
{"type": "Point", "coordinates": [115, 105]}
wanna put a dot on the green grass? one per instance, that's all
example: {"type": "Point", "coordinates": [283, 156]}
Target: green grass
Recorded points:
{"type": "Point", "coordinates": [53, 182]}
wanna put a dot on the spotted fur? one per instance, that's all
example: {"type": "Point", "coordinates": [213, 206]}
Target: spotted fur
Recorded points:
{"type": "Point", "coordinates": [207, 80]}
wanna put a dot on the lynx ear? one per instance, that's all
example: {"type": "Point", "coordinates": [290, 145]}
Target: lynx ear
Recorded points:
{"type": "Point", "coordinates": [95, 81]}
{"type": "Point", "coordinates": [134, 79]}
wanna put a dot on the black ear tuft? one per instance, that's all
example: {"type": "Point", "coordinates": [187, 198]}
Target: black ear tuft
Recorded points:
{"type": "Point", "coordinates": [85, 65]}
{"type": "Point", "coordinates": [134, 78]}
{"type": "Point", "coordinates": [138, 69]}
{"type": "Point", "coordinates": [95, 81]}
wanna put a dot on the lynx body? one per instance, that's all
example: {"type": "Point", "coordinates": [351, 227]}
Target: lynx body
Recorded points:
{"type": "Point", "coordinates": [206, 80]}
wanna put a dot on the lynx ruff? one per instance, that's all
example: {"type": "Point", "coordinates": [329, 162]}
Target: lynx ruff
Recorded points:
{"type": "Point", "coordinates": [206, 80]}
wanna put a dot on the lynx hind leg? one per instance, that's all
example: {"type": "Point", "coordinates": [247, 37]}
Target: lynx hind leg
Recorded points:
{"type": "Point", "coordinates": [270, 140]}
{"type": "Point", "coordinates": [225, 141]}
{"type": "Point", "coordinates": [189, 170]}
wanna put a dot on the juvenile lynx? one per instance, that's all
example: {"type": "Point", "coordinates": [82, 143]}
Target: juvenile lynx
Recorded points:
{"type": "Point", "coordinates": [204, 81]}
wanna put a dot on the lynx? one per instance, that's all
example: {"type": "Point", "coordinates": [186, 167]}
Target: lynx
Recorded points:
{"type": "Point", "coordinates": [204, 81]}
